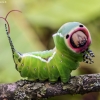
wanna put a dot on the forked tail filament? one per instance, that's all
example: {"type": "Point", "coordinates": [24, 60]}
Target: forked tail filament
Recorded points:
{"type": "Point", "coordinates": [5, 18]}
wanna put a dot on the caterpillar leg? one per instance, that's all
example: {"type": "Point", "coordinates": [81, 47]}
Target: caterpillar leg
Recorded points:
{"type": "Point", "coordinates": [65, 77]}
{"type": "Point", "coordinates": [53, 77]}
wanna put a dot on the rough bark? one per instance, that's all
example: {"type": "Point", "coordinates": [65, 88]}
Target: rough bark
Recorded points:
{"type": "Point", "coordinates": [28, 90]}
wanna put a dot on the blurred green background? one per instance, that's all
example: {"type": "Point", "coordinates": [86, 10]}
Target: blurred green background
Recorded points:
{"type": "Point", "coordinates": [32, 30]}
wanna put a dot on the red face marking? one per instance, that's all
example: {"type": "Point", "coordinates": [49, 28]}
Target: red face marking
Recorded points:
{"type": "Point", "coordinates": [81, 38]}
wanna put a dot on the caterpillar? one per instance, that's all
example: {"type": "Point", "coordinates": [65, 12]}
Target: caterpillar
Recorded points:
{"type": "Point", "coordinates": [72, 42]}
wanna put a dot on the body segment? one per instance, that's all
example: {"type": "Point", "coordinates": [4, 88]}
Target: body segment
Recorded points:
{"type": "Point", "coordinates": [35, 67]}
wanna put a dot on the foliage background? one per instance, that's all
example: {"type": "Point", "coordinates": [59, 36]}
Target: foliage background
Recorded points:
{"type": "Point", "coordinates": [32, 30]}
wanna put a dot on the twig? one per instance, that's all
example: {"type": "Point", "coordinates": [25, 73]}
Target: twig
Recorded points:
{"type": "Point", "coordinates": [28, 90]}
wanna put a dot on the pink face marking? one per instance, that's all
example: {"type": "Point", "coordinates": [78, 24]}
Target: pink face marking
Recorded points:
{"type": "Point", "coordinates": [79, 39]}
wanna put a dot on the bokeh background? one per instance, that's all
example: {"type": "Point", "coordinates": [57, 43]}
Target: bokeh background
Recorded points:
{"type": "Point", "coordinates": [32, 30]}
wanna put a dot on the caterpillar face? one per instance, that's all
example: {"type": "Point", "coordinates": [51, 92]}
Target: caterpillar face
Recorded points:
{"type": "Point", "coordinates": [76, 36]}
{"type": "Point", "coordinates": [78, 39]}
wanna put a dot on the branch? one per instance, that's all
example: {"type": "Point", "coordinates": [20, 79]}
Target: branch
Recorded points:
{"type": "Point", "coordinates": [27, 90]}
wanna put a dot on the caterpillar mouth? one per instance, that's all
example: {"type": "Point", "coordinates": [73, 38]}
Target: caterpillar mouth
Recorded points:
{"type": "Point", "coordinates": [78, 39]}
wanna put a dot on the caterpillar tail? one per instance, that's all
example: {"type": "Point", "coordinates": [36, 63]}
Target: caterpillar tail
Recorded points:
{"type": "Point", "coordinates": [10, 41]}
{"type": "Point", "coordinates": [5, 18]}
{"type": "Point", "coordinates": [16, 55]}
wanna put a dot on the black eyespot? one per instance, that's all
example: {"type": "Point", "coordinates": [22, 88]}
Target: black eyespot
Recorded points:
{"type": "Point", "coordinates": [19, 59]}
{"type": "Point", "coordinates": [80, 25]}
{"type": "Point", "coordinates": [67, 36]}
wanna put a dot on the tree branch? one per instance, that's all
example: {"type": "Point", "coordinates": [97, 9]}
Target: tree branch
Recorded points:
{"type": "Point", "coordinates": [28, 90]}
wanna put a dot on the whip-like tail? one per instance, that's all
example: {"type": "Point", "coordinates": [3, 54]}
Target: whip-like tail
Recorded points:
{"type": "Point", "coordinates": [16, 55]}
{"type": "Point", "coordinates": [8, 29]}
{"type": "Point", "coordinates": [10, 41]}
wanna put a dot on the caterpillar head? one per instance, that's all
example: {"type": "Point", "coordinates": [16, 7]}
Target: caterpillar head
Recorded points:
{"type": "Point", "coordinates": [76, 38]}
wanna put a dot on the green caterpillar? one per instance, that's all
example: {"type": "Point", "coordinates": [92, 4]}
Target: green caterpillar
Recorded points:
{"type": "Point", "coordinates": [72, 43]}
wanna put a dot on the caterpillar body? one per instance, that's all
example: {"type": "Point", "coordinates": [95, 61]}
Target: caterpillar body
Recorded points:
{"type": "Point", "coordinates": [72, 43]}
